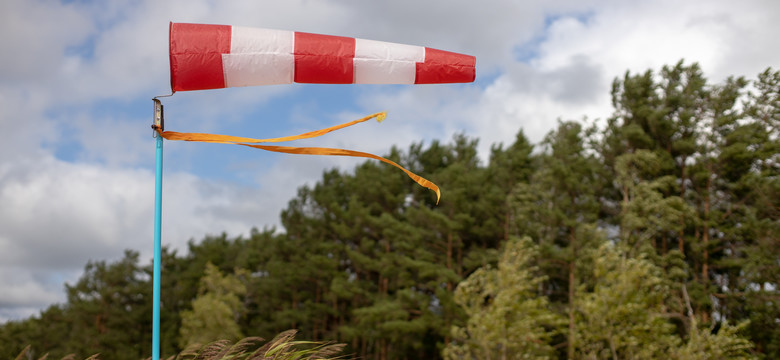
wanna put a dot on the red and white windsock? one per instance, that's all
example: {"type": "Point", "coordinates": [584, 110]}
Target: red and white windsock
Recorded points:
{"type": "Point", "coordinates": [219, 56]}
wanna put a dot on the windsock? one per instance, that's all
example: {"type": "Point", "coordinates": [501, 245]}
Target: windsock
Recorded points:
{"type": "Point", "coordinates": [219, 56]}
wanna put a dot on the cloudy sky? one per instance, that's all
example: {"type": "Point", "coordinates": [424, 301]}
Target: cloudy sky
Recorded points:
{"type": "Point", "coordinates": [77, 78]}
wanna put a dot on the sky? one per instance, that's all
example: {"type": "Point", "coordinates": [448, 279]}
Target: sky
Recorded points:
{"type": "Point", "coordinates": [77, 79]}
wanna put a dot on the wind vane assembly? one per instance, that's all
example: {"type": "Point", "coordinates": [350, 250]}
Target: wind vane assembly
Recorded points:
{"type": "Point", "coordinates": [206, 57]}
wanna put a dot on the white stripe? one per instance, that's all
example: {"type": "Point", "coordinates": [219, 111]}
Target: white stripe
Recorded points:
{"type": "Point", "coordinates": [370, 71]}
{"type": "Point", "coordinates": [258, 69]}
{"type": "Point", "coordinates": [370, 49]}
{"type": "Point", "coordinates": [259, 57]}
{"type": "Point", "coordinates": [253, 40]}
{"type": "Point", "coordinates": [378, 62]}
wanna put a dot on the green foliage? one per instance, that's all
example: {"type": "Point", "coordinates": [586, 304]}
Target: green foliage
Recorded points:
{"type": "Point", "coordinates": [507, 319]}
{"type": "Point", "coordinates": [727, 343]}
{"type": "Point", "coordinates": [215, 310]}
{"type": "Point", "coordinates": [622, 315]}
{"type": "Point", "coordinates": [647, 211]}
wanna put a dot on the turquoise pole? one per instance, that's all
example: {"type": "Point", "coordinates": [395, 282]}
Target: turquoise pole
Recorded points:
{"type": "Point", "coordinates": [157, 231]}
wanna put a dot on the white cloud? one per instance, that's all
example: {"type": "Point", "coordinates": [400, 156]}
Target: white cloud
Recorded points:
{"type": "Point", "coordinates": [53, 210]}
{"type": "Point", "coordinates": [58, 215]}
{"type": "Point", "coordinates": [26, 290]}
{"type": "Point", "coordinates": [534, 100]}
{"type": "Point", "coordinates": [35, 43]}
{"type": "Point", "coordinates": [649, 34]}
{"type": "Point", "coordinates": [78, 76]}
{"type": "Point", "coordinates": [23, 129]}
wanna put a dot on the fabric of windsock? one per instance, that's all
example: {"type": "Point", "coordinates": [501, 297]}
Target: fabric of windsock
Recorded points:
{"type": "Point", "coordinates": [219, 56]}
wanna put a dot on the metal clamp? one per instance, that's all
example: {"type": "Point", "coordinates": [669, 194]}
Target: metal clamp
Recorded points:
{"type": "Point", "coordinates": [158, 119]}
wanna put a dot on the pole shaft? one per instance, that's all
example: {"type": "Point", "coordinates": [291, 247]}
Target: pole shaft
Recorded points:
{"type": "Point", "coordinates": [157, 260]}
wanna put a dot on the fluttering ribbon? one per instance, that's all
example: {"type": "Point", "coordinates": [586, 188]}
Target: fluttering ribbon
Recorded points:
{"type": "Point", "coordinates": [254, 143]}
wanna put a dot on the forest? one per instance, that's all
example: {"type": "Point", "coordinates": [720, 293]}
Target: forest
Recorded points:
{"type": "Point", "coordinates": [654, 233]}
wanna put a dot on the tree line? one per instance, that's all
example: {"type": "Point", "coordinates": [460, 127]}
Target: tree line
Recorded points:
{"type": "Point", "coordinates": [653, 233]}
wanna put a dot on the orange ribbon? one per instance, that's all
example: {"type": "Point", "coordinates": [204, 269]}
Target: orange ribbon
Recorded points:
{"type": "Point", "coordinates": [250, 142]}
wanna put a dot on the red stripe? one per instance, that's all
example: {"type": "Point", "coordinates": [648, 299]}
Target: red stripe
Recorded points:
{"type": "Point", "coordinates": [445, 67]}
{"type": "Point", "coordinates": [196, 56]}
{"type": "Point", "coordinates": [323, 59]}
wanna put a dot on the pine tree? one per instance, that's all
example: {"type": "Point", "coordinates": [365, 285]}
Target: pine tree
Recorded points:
{"type": "Point", "coordinates": [748, 162]}
{"type": "Point", "coordinates": [110, 310]}
{"type": "Point", "coordinates": [623, 317]}
{"type": "Point", "coordinates": [506, 169]}
{"type": "Point", "coordinates": [507, 318]}
{"type": "Point", "coordinates": [216, 309]}
{"type": "Point", "coordinates": [560, 208]}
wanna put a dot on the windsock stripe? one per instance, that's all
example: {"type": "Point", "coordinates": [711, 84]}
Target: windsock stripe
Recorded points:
{"type": "Point", "coordinates": [378, 62]}
{"type": "Point", "coordinates": [323, 59]}
{"type": "Point", "coordinates": [259, 57]}
{"type": "Point", "coordinates": [445, 67]}
{"type": "Point", "coordinates": [196, 55]}
{"type": "Point", "coordinates": [218, 56]}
